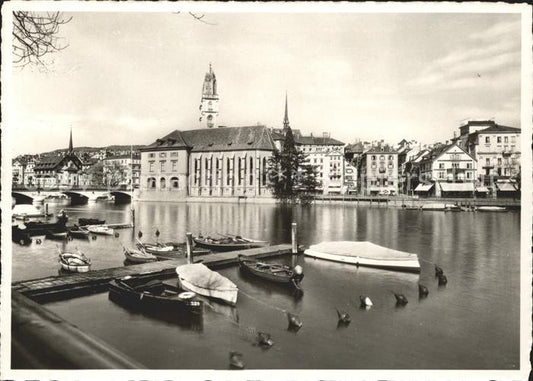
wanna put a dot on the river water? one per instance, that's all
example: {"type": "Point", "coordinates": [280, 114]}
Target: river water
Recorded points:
{"type": "Point", "coordinates": [471, 323]}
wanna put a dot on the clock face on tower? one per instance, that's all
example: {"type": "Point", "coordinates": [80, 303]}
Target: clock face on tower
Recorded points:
{"type": "Point", "coordinates": [210, 117]}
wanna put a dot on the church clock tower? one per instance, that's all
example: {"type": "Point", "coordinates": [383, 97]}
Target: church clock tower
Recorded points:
{"type": "Point", "coordinates": [209, 103]}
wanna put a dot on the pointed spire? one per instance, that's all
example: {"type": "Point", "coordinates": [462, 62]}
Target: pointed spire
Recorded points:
{"type": "Point", "coordinates": [286, 118]}
{"type": "Point", "coordinates": [70, 146]}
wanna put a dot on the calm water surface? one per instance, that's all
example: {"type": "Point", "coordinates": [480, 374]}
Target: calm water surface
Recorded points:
{"type": "Point", "coordinates": [472, 323]}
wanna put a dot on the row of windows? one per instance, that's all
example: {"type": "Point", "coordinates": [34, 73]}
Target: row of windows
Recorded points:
{"type": "Point", "coordinates": [162, 166]}
{"type": "Point", "coordinates": [499, 139]}
{"type": "Point", "coordinates": [385, 182]}
{"type": "Point", "coordinates": [241, 167]}
{"type": "Point", "coordinates": [151, 155]}
{"type": "Point", "coordinates": [174, 183]}
{"type": "Point", "coordinates": [382, 157]}
{"type": "Point", "coordinates": [455, 165]}
{"type": "Point", "coordinates": [374, 166]}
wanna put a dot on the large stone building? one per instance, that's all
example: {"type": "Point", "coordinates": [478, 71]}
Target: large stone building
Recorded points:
{"type": "Point", "coordinates": [224, 162]}
{"type": "Point", "coordinates": [122, 170]}
{"type": "Point", "coordinates": [378, 171]}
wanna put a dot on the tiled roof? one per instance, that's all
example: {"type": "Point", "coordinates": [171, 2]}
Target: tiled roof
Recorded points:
{"type": "Point", "coordinates": [498, 128]}
{"type": "Point", "coordinates": [316, 140]}
{"type": "Point", "coordinates": [217, 139]}
{"type": "Point", "coordinates": [355, 148]}
{"type": "Point", "coordinates": [382, 149]}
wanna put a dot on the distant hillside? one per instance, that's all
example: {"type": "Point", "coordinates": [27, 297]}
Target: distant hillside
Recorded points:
{"type": "Point", "coordinates": [112, 150]}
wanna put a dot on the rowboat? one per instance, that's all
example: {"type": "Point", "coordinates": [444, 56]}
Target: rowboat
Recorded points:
{"type": "Point", "coordinates": [365, 253]}
{"type": "Point", "coordinates": [273, 272]}
{"type": "Point", "coordinates": [100, 229]}
{"type": "Point", "coordinates": [90, 221]}
{"type": "Point", "coordinates": [74, 262]}
{"type": "Point", "coordinates": [491, 209]}
{"type": "Point", "coordinates": [435, 207]}
{"type": "Point", "coordinates": [228, 243]}
{"type": "Point", "coordinates": [78, 232]}
{"type": "Point", "coordinates": [155, 248]}
{"type": "Point", "coordinates": [20, 236]}
{"type": "Point", "coordinates": [50, 234]}
{"type": "Point", "coordinates": [153, 294]}
{"type": "Point", "coordinates": [139, 256]}
{"type": "Point", "coordinates": [198, 278]}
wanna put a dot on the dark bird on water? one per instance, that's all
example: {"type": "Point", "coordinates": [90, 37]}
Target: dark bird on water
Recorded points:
{"type": "Point", "coordinates": [116, 235]}
{"type": "Point", "coordinates": [422, 290]}
{"type": "Point", "coordinates": [38, 241]}
{"type": "Point", "coordinates": [365, 301]}
{"type": "Point", "coordinates": [140, 234]}
{"type": "Point", "coordinates": [438, 271]}
{"type": "Point", "coordinates": [235, 360]}
{"type": "Point", "coordinates": [157, 232]}
{"type": "Point", "coordinates": [442, 280]}
{"type": "Point", "coordinates": [401, 300]}
{"type": "Point", "coordinates": [264, 339]}
{"type": "Point", "coordinates": [344, 318]}
{"type": "Point", "coordinates": [294, 322]}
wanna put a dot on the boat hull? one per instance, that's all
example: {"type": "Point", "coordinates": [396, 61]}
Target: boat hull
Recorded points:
{"type": "Point", "coordinates": [100, 230]}
{"type": "Point", "coordinates": [122, 294]}
{"type": "Point", "coordinates": [229, 246]}
{"type": "Point", "coordinates": [139, 258]}
{"type": "Point", "coordinates": [75, 268]}
{"type": "Point", "coordinates": [408, 265]}
{"type": "Point", "coordinates": [497, 209]}
{"type": "Point", "coordinates": [200, 280]}
{"type": "Point", "coordinates": [285, 276]}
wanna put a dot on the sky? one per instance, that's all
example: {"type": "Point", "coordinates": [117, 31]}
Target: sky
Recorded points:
{"type": "Point", "coordinates": [130, 78]}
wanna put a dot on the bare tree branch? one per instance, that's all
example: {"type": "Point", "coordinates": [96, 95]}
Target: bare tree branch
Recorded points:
{"type": "Point", "coordinates": [35, 35]}
{"type": "Point", "coordinates": [200, 18]}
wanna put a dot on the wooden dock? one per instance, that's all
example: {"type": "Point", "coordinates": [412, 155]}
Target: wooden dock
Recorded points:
{"type": "Point", "coordinates": [64, 287]}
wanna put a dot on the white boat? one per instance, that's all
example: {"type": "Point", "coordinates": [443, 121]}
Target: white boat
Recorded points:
{"type": "Point", "coordinates": [365, 253]}
{"type": "Point", "coordinates": [435, 206]}
{"type": "Point", "coordinates": [198, 278]}
{"type": "Point", "coordinates": [21, 211]}
{"type": "Point", "coordinates": [100, 229]}
{"type": "Point", "coordinates": [74, 262]}
{"type": "Point", "coordinates": [491, 209]}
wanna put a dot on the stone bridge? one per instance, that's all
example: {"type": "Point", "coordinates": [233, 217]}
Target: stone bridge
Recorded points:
{"type": "Point", "coordinates": [76, 196]}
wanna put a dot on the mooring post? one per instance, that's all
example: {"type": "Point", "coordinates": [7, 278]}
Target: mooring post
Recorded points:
{"type": "Point", "coordinates": [46, 210]}
{"type": "Point", "coordinates": [133, 218]}
{"type": "Point", "coordinates": [190, 258]}
{"type": "Point", "coordinates": [294, 238]}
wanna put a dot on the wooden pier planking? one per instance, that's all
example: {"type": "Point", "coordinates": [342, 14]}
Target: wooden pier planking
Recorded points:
{"type": "Point", "coordinates": [60, 287]}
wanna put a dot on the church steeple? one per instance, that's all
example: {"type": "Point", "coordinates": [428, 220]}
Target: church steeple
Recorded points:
{"type": "Point", "coordinates": [209, 103]}
{"type": "Point", "coordinates": [70, 145]}
{"type": "Point", "coordinates": [286, 118]}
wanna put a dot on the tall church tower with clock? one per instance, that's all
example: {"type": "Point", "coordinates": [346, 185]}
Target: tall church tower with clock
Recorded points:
{"type": "Point", "coordinates": [209, 103]}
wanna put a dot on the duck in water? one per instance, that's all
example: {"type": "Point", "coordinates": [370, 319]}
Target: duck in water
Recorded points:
{"type": "Point", "coordinates": [264, 340]}
{"type": "Point", "coordinates": [401, 300]}
{"type": "Point", "coordinates": [140, 234]}
{"type": "Point", "coordinates": [294, 322]}
{"type": "Point", "coordinates": [157, 233]}
{"type": "Point", "coordinates": [438, 271]}
{"type": "Point", "coordinates": [235, 360]}
{"type": "Point", "coordinates": [344, 318]}
{"type": "Point", "coordinates": [365, 301]}
{"type": "Point", "coordinates": [443, 280]}
{"type": "Point", "coordinates": [422, 291]}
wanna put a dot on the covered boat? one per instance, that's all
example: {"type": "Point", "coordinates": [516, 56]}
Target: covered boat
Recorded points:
{"type": "Point", "coordinates": [272, 272]}
{"type": "Point", "coordinates": [100, 229]}
{"type": "Point", "coordinates": [139, 256]}
{"type": "Point", "coordinates": [21, 211]}
{"type": "Point", "coordinates": [491, 209]}
{"type": "Point", "coordinates": [199, 279]}
{"type": "Point", "coordinates": [154, 294]}
{"type": "Point", "coordinates": [155, 248]}
{"type": "Point", "coordinates": [228, 243]}
{"type": "Point", "coordinates": [74, 262]}
{"type": "Point", "coordinates": [365, 253]}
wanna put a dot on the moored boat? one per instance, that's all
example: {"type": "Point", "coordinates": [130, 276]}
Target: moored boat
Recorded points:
{"type": "Point", "coordinates": [272, 272]}
{"type": "Point", "coordinates": [78, 232]}
{"type": "Point", "coordinates": [228, 243]}
{"type": "Point", "coordinates": [199, 279]}
{"type": "Point", "coordinates": [139, 256]}
{"type": "Point", "coordinates": [365, 253]}
{"type": "Point", "coordinates": [90, 221]}
{"type": "Point", "coordinates": [155, 248]}
{"type": "Point", "coordinates": [434, 206]}
{"type": "Point", "coordinates": [154, 294]}
{"type": "Point", "coordinates": [491, 209]}
{"type": "Point", "coordinates": [74, 262]}
{"type": "Point", "coordinates": [100, 229]}
{"type": "Point", "coordinates": [58, 234]}
{"type": "Point", "coordinates": [20, 236]}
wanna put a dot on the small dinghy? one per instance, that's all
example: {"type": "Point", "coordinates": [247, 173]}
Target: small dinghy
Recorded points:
{"type": "Point", "coordinates": [59, 235]}
{"type": "Point", "coordinates": [90, 221]}
{"type": "Point", "coordinates": [74, 262]}
{"type": "Point", "coordinates": [138, 256]}
{"type": "Point", "coordinates": [228, 243]}
{"type": "Point", "coordinates": [272, 272]}
{"type": "Point", "coordinates": [78, 232]}
{"type": "Point", "coordinates": [199, 279]}
{"type": "Point", "coordinates": [100, 229]}
{"type": "Point", "coordinates": [153, 294]}
{"type": "Point", "coordinates": [365, 253]}
{"type": "Point", "coordinates": [155, 248]}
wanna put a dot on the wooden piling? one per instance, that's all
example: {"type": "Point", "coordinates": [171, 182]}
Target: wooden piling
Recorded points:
{"type": "Point", "coordinates": [189, 242]}
{"type": "Point", "coordinates": [294, 238]}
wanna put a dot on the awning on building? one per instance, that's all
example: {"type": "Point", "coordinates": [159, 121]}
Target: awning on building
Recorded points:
{"type": "Point", "coordinates": [482, 189]}
{"type": "Point", "coordinates": [457, 187]}
{"type": "Point", "coordinates": [506, 187]}
{"type": "Point", "coordinates": [423, 187]}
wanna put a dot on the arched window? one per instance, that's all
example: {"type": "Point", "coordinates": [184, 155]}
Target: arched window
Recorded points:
{"type": "Point", "coordinates": [265, 170]}
{"type": "Point", "coordinates": [251, 171]}
{"type": "Point", "coordinates": [174, 183]}
{"type": "Point", "coordinates": [151, 183]}
{"type": "Point", "coordinates": [163, 183]}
